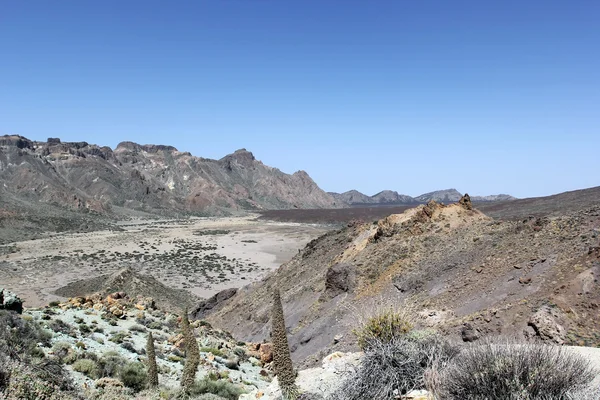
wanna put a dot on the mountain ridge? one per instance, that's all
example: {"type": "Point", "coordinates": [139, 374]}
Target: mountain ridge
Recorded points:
{"type": "Point", "coordinates": [158, 179]}
{"type": "Point", "coordinates": [354, 197]}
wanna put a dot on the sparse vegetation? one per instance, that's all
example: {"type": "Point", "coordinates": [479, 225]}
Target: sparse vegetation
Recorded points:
{"type": "Point", "coordinates": [220, 388]}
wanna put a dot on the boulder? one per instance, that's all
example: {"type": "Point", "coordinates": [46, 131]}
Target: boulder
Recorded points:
{"type": "Point", "coordinates": [468, 333]}
{"type": "Point", "coordinates": [545, 323]}
{"type": "Point", "coordinates": [266, 353]}
{"type": "Point", "coordinates": [10, 301]}
{"type": "Point", "coordinates": [340, 278]}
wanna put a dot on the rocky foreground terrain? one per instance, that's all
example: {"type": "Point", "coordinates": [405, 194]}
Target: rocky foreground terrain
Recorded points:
{"type": "Point", "coordinates": [462, 272]}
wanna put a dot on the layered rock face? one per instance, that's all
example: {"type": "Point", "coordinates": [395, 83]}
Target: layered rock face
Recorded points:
{"type": "Point", "coordinates": [152, 178]}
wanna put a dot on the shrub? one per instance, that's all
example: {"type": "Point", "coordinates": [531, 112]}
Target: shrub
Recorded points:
{"type": "Point", "coordinates": [129, 347]}
{"type": "Point", "coordinates": [213, 351]}
{"type": "Point", "coordinates": [382, 328]}
{"type": "Point", "coordinates": [87, 367]}
{"type": "Point", "coordinates": [221, 388]}
{"type": "Point", "coordinates": [511, 370]}
{"type": "Point", "coordinates": [118, 337]}
{"type": "Point", "coordinates": [137, 328]}
{"type": "Point", "coordinates": [59, 326]}
{"type": "Point", "coordinates": [54, 303]}
{"type": "Point", "coordinates": [110, 363]}
{"type": "Point", "coordinates": [395, 367]}
{"type": "Point", "coordinates": [134, 376]}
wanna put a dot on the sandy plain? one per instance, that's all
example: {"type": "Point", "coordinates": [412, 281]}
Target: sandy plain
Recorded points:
{"type": "Point", "coordinates": [201, 255]}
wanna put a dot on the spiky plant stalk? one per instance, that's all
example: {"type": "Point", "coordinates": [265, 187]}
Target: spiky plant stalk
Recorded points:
{"type": "Point", "coordinates": [192, 354]}
{"type": "Point", "coordinates": [282, 360]}
{"type": "Point", "coordinates": [152, 368]}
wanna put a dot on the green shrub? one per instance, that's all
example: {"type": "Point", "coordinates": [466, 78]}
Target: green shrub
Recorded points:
{"type": "Point", "coordinates": [87, 367]}
{"type": "Point", "coordinates": [221, 388]}
{"type": "Point", "coordinates": [213, 351]}
{"type": "Point", "coordinates": [118, 337]}
{"type": "Point", "coordinates": [134, 375]}
{"type": "Point", "coordinates": [54, 303]}
{"type": "Point", "coordinates": [61, 350]}
{"type": "Point", "coordinates": [137, 328]}
{"type": "Point", "coordinates": [110, 364]}
{"type": "Point", "coordinates": [382, 328]}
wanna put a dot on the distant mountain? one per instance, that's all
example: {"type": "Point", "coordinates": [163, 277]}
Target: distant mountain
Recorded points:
{"type": "Point", "coordinates": [352, 197]}
{"type": "Point", "coordinates": [493, 197]}
{"type": "Point", "coordinates": [453, 195]}
{"type": "Point", "coordinates": [151, 178]}
{"type": "Point", "coordinates": [445, 196]}
{"type": "Point", "coordinates": [389, 196]}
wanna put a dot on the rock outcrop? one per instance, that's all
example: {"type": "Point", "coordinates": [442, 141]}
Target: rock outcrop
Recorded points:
{"type": "Point", "coordinates": [10, 301]}
{"type": "Point", "coordinates": [212, 304]}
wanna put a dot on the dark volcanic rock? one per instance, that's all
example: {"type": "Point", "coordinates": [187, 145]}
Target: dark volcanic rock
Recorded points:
{"type": "Point", "coordinates": [340, 278]}
{"type": "Point", "coordinates": [465, 201]}
{"type": "Point", "coordinates": [212, 304]}
{"type": "Point", "coordinates": [468, 333]}
{"type": "Point", "coordinates": [9, 301]}
{"type": "Point", "coordinates": [16, 141]}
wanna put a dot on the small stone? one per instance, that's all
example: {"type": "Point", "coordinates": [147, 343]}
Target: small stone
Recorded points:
{"type": "Point", "coordinates": [525, 280]}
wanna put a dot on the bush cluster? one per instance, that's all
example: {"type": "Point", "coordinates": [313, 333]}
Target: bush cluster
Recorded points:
{"type": "Point", "coordinates": [398, 360]}
{"type": "Point", "coordinates": [511, 370]}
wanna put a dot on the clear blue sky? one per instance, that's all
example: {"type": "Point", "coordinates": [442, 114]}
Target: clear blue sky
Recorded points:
{"type": "Point", "coordinates": [488, 97]}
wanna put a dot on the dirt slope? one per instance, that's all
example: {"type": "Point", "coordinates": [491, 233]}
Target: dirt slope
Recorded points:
{"type": "Point", "coordinates": [467, 275]}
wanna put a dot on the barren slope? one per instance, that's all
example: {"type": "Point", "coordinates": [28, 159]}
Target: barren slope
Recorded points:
{"type": "Point", "coordinates": [467, 275]}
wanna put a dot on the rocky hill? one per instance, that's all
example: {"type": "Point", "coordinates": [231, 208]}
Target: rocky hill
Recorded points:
{"type": "Point", "coordinates": [460, 271]}
{"type": "Point", "coordinates": [150, 178]}
{"type": "Point", "coordinates": [392, 197]}
{"type": "Point", "coordinates": [352, 197]}
{"type": "Point", "coordinates": [446, 196]}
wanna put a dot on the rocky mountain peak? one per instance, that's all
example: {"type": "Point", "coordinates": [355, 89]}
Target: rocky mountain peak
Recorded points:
{"type": "Point", "coordinates": [240, 157]}
{"type": "Point", "coordinates": [16, 141]}
{"type": "Point", "coordinates": [149, 148]}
